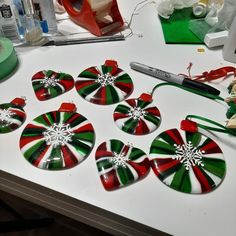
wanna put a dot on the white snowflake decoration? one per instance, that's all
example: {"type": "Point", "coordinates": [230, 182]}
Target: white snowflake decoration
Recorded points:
{"type": "Point", "coordinates": [58, 134]}
{"type": "Point", "coordinates": [189, 155]}
{"type": "Point", "coordinates": [50, 81]}
{"type": "Point", "coordinates": [136, 113]}
{"type": "Point", "coordinates": [106, 79]}
{"type": "Point", "coordinates": [119, 160]}
{"type": "Point", "coordinates": [5, 116]}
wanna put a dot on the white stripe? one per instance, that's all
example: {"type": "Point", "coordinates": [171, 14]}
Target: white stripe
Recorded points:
{"type": "Point", "coordinates": [195, 185]}
{"type": "Point", "coordinates": [30, 144]}
{"type": "Point", "coordinates": [79, 156]}
{"type": "Point", "coordinates": [45, 161]}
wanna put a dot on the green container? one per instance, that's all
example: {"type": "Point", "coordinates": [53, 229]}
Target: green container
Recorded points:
{"type": "Point", "coordinates": [8, 58]}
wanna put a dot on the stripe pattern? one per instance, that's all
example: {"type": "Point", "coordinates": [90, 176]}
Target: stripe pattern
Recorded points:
{"type": "Point", "coordinates": [57, 140]}
{"type": "Point", "coordinates": [49, 84]}
{"type": "Point", "coordinates": [136, 116]}
{"type": "Point", "coordinates": [187, 162]}
{"type": "Point", "coordinates": [11, 117]}
{"type": "Point", "coordinates": [119, 164]}
{"type": "Point", "coordinates": [103, 85]}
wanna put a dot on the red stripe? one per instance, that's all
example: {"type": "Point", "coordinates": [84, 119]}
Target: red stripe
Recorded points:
{"type": "Point", "coordinates": [42, 94]}
{"type": "Point", "coordinates": [69, 158]}
{"type": "Point", "coordinates": [93, 70]}
{"type": "Point", "coordinates": [67, 84]}
{"type": "Point", "coordinates": [175, 135]}
{"type": "Point", "coordinates": [110, 180]}
{"type": "Point", "coordinates": [46, 119]}
{"type": "Point", "coordinates": [211, 147]}
{"type": "Point", "coordinates": [153, 110]}
{"type": "Point", "coordinates": [141, 168]}
{"type": "Point", "coordinates": [126, 87]}
{"type": "Point", "coordinates": [73, 118]}
{"type": "Point", "coordinates": [142, 128]}
{"type": "Point", "coordinates": [85, 128]}
{"type": "Point", "coordinates": [202, 179]}
{"type": "Point", "coordinates": [81, 84]}
{"type": "Point", "coordinates": [118, 116]}
{"type": "Point", "coordinates": [132, 102]}
{"type": "Point", "coordinates": [26, 140]}
{"type": "Point", "coordinates": [38, 75]}
{"type": "Point", "coordinates": [168, 164]}
{"type": "Point", "coordinates": [102, 153]}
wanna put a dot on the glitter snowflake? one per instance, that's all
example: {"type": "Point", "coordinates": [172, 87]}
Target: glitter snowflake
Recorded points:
{"type": "Point", "coordinates": [50, 81]}
{"type": "Point", "coordinates": [119, 160]}
{"type": "Point", "coordinates": [136, 113]}
{"type": "Point", "coordinates": [106, 79]}
{"type": "Point", "coordinates": [5, 116]}
{"type": "Point", "coordinates": [188, 155]}
{"type": "Point", "coordinates": [58, 134]}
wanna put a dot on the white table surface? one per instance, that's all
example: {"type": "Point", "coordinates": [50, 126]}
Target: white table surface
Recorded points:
{"type": "Point", "coordinates": [149, 201]}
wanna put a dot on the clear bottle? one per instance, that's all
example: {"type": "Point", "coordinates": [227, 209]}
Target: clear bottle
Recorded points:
{"type": "Point", "coordinates": [229, 49]}
{"type": "Point", "coordinates": [200, 9]}
{"type": "Point", "coordinates": [47, 13]}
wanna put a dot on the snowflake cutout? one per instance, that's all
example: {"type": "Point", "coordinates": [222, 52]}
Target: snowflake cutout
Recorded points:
{"type": "Point", "coordinates": [58, 134]}
{"type": "Point", "coordinates": [188, 154]}
{"type": "Point", "coordinates": [5, 116]}
{"type": "Point", "coordinates": [50, 81]}
{"type": "Point", "coordinates": [106, 79]}
{"type": "Point", "coordinates": [119, 159]}
{"type": "Point", "coordinates": [136, 113]}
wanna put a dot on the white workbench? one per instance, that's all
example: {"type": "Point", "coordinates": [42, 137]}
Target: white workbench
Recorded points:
{"type": "Point", "coordinates": [149, 201]}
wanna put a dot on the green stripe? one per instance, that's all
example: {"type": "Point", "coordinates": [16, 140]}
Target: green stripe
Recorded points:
{"type": "Point", "coordinates": [136, 154]}
{"type": "Point", "coordinates": [88, 74]}
{"type": "Point", "coordinates": [116, 146]}
{"type": "Point", "coordinates": [34, 151]}
{"type": "Point", "coordinates": [81, 147]}
{"type": "Point", "coordinates": [88, 89]}
{"type": "Point", "coordinates": [168, 138]}
{"type": "Point", "coordinates": [54, 91]}
{"type": "Point", "coordinates": [214, 166]}
{"type": "Point", "coordinates": [130, 125]}
{"type": "Point", "coordinates": [66, 116]}
{"type": "Point", "coordinates": [125, 175]}
{"type": "Point", "coordinates": [181, 180]}
{"type": "Point", "coordinates": [155, 120]}
{"type": "Point", "coordinates": [125, 78]}
{"type": "Point", "coordinates": [55, 158]}
{"type": "Point", "coordinates": [122, 109]}
{"type": "Point", "coordinates": [41, 120]}
{"type": "Point", "coordinates": [77, 121]}
{"type": "Point", "coordinates": [33, 132]}
{"type": "Point", "coordinates": [103, 165]}
{"type": "Point", "coordinates": [111, 95]}
{"type": "Point", "coordinates": [86, 136]}
{"type": "Point", "coordinates": [160, 147]}
{"type": "Point", "coordinates": [142, 104]}
{"type": "Point", "coordinates": [106, 69]}
{"type": "Point", "coordinates": [170, 171]}
{"type": "Point", "coordinates": [194, 138]}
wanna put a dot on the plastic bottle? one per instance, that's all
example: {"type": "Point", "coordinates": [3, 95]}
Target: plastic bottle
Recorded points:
{"type": "Point", "coordinates": [229, 49]}
{"type": "Point", "coordinates": [47, 13]}
{"type": "Point", "coordinates": [200, 9]}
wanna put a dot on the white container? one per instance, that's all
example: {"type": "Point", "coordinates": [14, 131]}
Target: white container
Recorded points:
{"type": "Point", "coordinates": [229, 49]}
{"type": "Point", "coordinates": [47, 13]}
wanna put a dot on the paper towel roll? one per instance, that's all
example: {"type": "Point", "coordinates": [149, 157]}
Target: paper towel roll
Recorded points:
{"type": "Point", "coordinates": [8, 58]}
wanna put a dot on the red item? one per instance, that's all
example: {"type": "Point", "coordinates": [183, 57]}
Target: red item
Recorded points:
{"type": "Point", "coordinates": [19, 102]}
{"type": "Point", "coordinates": [86, 18]}
{"type": "Point", "coordinates": [189, 126]}
{"type": "Point", "coordinates": [67, 107]}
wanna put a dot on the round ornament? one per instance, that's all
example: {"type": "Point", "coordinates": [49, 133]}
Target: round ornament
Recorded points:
{"type": "Point", "coordinates": [137, 116]}
{"type": "Point", "coordinates": [58, 139]}
{"type": "Point", "coordinates": [119, 164]}
{"type": "Point", "coordinates": [104, 85]}
{"type": "Point", "coordinates": [12, 115]}
{"type": "Point", "coordinates": [49, 84]}
{"type": "Point", "coordinates": [186, 161]}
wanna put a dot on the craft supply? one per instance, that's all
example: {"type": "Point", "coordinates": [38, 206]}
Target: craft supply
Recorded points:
{"type": "Point", "coordinates": [49, 84]}
{"type": "Point", "coordinates": [104, 85]}
{"type": "Point", "coordinates": [63, 42]}
{"type": "Point", "coordinates": [137, 116]}
{"type": "Point", "coordinates": [120, 165]}
{"type": "Point", "coordinates": [229, 49]}
{"type": "Point", "coordinates": [8, 58]}
{"type": "Point", "coordinates": [169, 77]}
{"type": "Point", "coordinates": [189, 162]}
{"type": "Point", "coordinates": [12, 115]}
{"type": "Point", "coordinates": [57, 140]}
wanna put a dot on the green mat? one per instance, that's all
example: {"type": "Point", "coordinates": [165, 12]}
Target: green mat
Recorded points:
{"type": "Point", "coordinates": [176, 29]}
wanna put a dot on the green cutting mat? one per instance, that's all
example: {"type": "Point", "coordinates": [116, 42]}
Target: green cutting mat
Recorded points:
{"type": "Point", "coordinates": [176, 29]}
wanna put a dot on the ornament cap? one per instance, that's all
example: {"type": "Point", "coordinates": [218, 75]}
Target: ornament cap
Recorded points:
{"type": "Point", "coordinates": [113, 64]}
{"type": "Point", "coordinates": [19, 102]}
{"type": "Point", "coordinates": [189, 126]}
{"type": "Point", "coordinates": [67, 107]}
{"type": "Point", "coordinates": [146, 97]}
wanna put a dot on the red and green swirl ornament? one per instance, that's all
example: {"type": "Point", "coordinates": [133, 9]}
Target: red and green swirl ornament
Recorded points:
{"type": "Point", "coordinates": [120, 165]}
{"type": "Point", "coordinates": [57, 140]}
{"type": "Point", "coordinates": [104, 85]}
{"type": "Point", "coordinates": [12, 115]}
{"type": "Point", "coordinates": [137, 116]}
{"type": "Point", "coordinates": [188, 162]}
{"type": "Point", "coordinates": [49, 84]}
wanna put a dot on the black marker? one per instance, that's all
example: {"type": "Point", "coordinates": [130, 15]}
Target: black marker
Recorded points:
{"type": "Point", "coordinates": [169, 77]}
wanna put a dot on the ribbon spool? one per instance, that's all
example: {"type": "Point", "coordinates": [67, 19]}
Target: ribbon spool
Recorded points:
{"type": "Point", "coordinates": [8, 58]}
